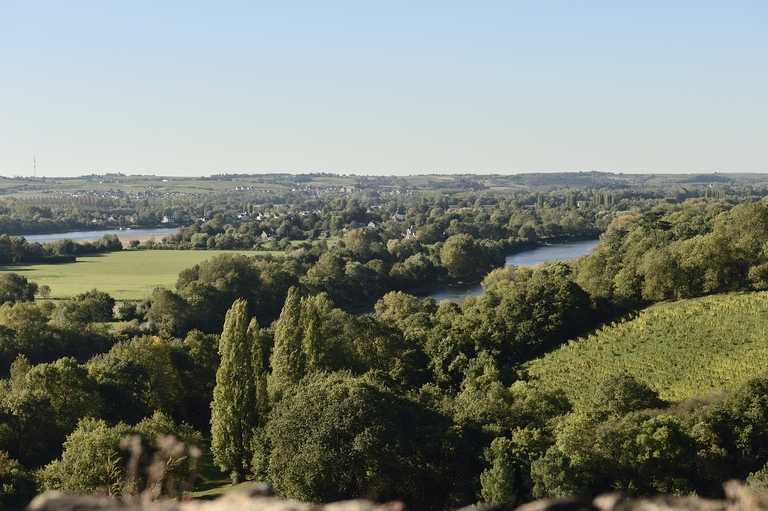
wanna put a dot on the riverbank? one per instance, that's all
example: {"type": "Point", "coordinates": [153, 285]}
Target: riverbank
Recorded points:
{"type": "Point", "coordinates": [86, 235]}
{"type": "Point", "coordinates": [133, 274]}
{"type": "Point", "coordinates": [92, 229]}
{"type": "Point", "coordinates": [458, 290]}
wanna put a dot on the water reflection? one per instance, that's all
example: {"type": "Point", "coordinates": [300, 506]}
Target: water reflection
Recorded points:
{"type": "Point", "coordinates": [559, 252]}
{"type": "Point", "coordinates": [94, 235]}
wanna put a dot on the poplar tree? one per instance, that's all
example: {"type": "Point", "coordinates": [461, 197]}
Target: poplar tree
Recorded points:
{"type": "Point", "coordinates": [288, 361]}
{"type": "Point", "coordinates": [259, 372]}
{"type": "Point", "coordinates": [239, 394]}
{"type": "Point", "coordinates": [312, 311]}
{"type": "Point", "coordinates": [323, 340]}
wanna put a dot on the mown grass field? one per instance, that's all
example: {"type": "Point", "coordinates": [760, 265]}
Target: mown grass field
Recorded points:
{"type": "Point", "coordinates": [126, 275]}
{"type": "Point", "coordinates": [680, 349]}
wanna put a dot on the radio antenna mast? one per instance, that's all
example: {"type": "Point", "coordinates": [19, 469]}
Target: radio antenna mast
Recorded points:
{"type": "Point", "coordinates": [34, 166]}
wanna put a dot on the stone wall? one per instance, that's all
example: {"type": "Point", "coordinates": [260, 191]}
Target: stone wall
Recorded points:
{"type": "Point", "coordinates": [259, 498]}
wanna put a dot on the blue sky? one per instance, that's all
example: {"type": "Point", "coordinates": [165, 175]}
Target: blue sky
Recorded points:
{"type": "Point", "coordinates": [199, 88]}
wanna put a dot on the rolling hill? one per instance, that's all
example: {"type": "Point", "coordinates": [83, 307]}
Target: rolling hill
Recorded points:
{"type": "Point", "coordinates": [680, 349]}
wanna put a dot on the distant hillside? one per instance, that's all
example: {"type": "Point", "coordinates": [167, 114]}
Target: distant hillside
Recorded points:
{"type": "Point", "coordinates": [680, 349]}
{"type": "Point", "coordinates": [707, 178]}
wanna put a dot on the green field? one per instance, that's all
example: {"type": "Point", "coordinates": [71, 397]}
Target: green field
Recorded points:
{"type": "Point", "coordinates": [126, 275]}
{"type": "Point", "coordinates": [680, 349]}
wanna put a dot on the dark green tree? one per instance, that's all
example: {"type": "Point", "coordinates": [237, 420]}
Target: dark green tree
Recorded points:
{"type": "Point", "coordinates": [90, 307]}
{"type": "Point", "coordinates": [17, 486]}
{"type": "Point", "coordinates": [462, 256]}
{"type": "Point", "coordinates": [138, 377]}
{"type": "Point", "coordinates": [95, 456]}
{"type": "Point", "coordinates": [16, 288]}
{"type": "Point", "coordinates": [554, 476]}
{"type": "Point", "coordinates": [339, 436]}
{"type": "Point", "coordinates": [91, 460]}
{"type": "Point", "coordinates": [621, 393]}
{"type": "Point", "coordinates": [507, 480]}
{"type": "Point", "coordinates": [239, 393]}
{"type": "Point", "coordinates": [169, 313]}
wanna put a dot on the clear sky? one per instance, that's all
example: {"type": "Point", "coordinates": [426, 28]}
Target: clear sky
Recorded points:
{"type": "Point", "coordinates": [383, 87]}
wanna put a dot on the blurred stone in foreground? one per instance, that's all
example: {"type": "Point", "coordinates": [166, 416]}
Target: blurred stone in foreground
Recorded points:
{"type": "Point", "coordinates": [260, 498]}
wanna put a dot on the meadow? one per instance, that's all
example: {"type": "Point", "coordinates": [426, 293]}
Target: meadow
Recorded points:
{"type": "Point", "coordinates": [126, 275]}
{"type": "Point", "coordinates": [680, 349]}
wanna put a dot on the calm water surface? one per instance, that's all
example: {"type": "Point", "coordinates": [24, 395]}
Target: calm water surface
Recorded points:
{"type": "Point", "coordinates": [94, 235]}
{"type": "Point", "coordinates": [559, 252]}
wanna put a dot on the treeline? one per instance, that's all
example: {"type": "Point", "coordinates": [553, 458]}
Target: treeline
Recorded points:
{"type": "Point", "coordinates": [678, 252]}
{"type": "Point", "coordinates": [358, 271]}
{"type": "Point", "coordinates": [527, 218]}
{"type": "Point", "coordinates": [589, 195]}
{"type": "Point", "coordinates": [75, 391]}
{"type": "Point", "coordinates": [514, 217]}
{"type": "Point", "coordinates": [44, 332]}
{"type": "Point", "coordinates": [39, 216]}
{"type": "Point", "coordinates": [665, 250]}
{"type": "Point", "coordinates": [16, 249]}
{"type": "Point", "coordinates": [631, 441]}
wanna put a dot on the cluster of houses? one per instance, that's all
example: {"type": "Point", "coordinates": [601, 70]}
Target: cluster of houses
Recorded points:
{"type": "Point", "coordinates": [118, 194]}
{"type": "Point", "coordinates": [266, 234]}
{"type": "Point", "coordinates": [243, 217]}
{"type": "Point", "coordinates": [110, 220]}
{"type": "Point", "coordinates": [360, 225]}
{"type": "Point", "coordinates": [329, 189]}
{"type": "Point", "coordinates": [261, 217]}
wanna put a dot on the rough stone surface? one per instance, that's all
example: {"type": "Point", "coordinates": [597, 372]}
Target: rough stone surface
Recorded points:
{"type": "Point", "coordinates": [260, 498]}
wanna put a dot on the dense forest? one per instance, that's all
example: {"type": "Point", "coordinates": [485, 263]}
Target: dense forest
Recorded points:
{"type": "Point", "coordinates": [432, 403]}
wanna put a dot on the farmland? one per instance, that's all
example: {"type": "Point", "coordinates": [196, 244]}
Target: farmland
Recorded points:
{"type": "Point", "coordinates": [680, 349]}
{"type": "Point", "coordinates": [126, 275]}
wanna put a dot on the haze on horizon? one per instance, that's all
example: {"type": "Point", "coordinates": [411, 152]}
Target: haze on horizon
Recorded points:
{"type": "Point", "coordinates": [200, 88]}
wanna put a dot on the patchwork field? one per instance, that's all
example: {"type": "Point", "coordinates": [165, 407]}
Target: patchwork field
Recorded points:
{"type": "Point", "coordinates": [126, 275]}
{"type": "Point", "coordinates": [42, 187]}
{"type": "Point", "coordinates": [680, 349]}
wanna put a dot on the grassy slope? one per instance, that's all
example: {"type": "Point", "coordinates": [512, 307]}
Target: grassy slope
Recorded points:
{"type": "Point", "coordinates": [212, 482]}
{"type": "Point", "coordinates": [681, 349]}
{"type": "Point", "coordinates": [127, 275]}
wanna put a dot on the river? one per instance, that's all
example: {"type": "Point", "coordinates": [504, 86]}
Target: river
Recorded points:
{"type": "Point", "coordinates": [558, 252]}
{"type": "Point", "coordinates": [457, 292]}
{"type": "Point", "coordinates": [94, 235]}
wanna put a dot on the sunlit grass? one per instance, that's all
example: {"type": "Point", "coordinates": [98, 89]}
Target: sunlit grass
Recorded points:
{"type": "Point", "coordinates": [126, 275]}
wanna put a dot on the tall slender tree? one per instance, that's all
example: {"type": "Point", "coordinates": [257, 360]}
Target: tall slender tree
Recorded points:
{"type": "Point", "coordinates": [259, 372]}
{"type": "Point", "coordinates": [288, 360]}
{"type": "Point", "coordinates": [239, 383]}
